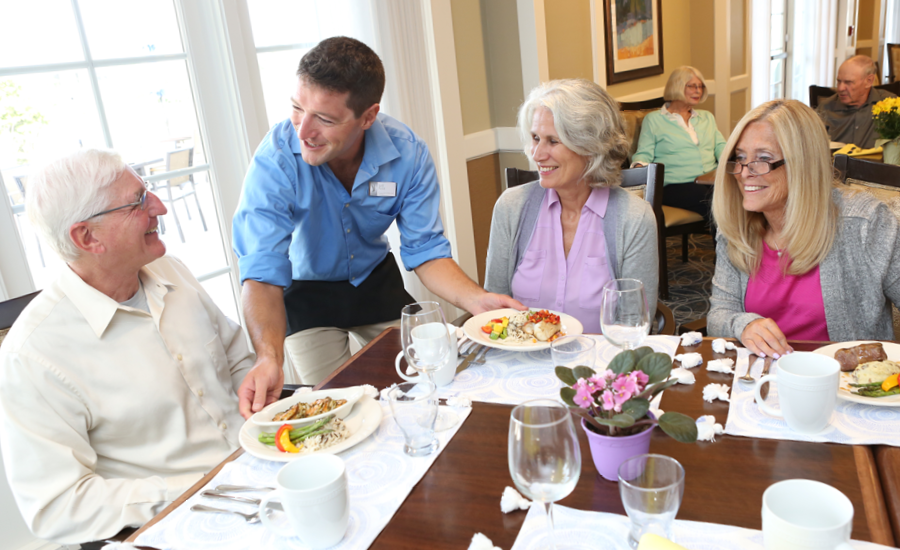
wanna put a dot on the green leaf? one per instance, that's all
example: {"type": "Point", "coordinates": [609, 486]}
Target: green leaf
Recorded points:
{"type": "Point", "coordinates": [651, 391]}
{"type": "Point", "coordinates": [567, 395]}
{"type": "Point", "coordinates": [565, 374]}
{"type": "Point", "coordinates": [583, 372]}
{"type": "Point", "coordinates": [623, 363]}
{"type": "Point", "coordinates": [682, 428]}
{"type": "Point", "coordinates": [656, 366]}
{"type": "Point", "coordinates": [642, 352]}
{"type": "Point", "coordinates": [619, 421]}
{"type": "Point", "coordinates": [636, 408]}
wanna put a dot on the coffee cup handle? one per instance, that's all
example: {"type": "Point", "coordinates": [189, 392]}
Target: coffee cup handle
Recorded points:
{"type": "Point", "coordinates": [264, 516]}
{"type": "Point", "coordinates": [766, 408]}
{"type": "Point", "coordinates": [402, 375]}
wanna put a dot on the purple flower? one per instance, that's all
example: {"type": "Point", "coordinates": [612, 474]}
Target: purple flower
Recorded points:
{"type": "Point", "coordinates": [599, 382]}
{"type": "Point", "coordinates": [625, 384]}
{"type": "Point", "coordinates": [641, 377]}
{"type": "Point", "coordinates": [581, 384]}
{"type": "Point", "coordinates": [609, 402]}
{"type": "Point", "coordinates": [609, 375]}
{"type": "Point", "coordinates": [620, 399]}
{"type": "Point", "coordinates": [583, 398]}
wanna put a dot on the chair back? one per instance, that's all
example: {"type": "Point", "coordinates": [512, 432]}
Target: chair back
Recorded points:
{"type": "Point", "coordinates": [893, 55]}
{"type": "Point", "coordinates": [633, 114]}
{"type": "Point", "coordinates": [10, 309]}
{"type": "Point", "coordinates": [516, 177]}
{"type": "Point", "coordinates": [176, 160]}
{"type": "Point", "coordinates": [652, 177]}
{"type": "Point", "coordinates": [816, 93]}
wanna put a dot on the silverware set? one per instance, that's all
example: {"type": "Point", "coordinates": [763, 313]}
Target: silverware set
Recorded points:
{"type": "Point", "coordinates": [221, 492]}
{"type": "Point", "coordinates": [749, 380]}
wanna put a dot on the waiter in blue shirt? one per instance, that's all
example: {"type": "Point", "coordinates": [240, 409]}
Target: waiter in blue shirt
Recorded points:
{"type": "Point", "coordinates": [321, 191]}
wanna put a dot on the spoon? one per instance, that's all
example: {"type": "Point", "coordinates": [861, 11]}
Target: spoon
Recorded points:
{"type": "Point", "coordinates": [250, 518]}
{"type": "Point", "coordinates": [747, 379]}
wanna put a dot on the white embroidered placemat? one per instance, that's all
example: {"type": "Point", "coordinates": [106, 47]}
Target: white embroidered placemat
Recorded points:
{"type": "Point", "coordinates": [851, 423]}
{"type": "Point", "coordinates": [380, 477]}
{"type": "Point", "coordinates": [513, 377]}
{"type": "Point", "coordinates": [580, 530]}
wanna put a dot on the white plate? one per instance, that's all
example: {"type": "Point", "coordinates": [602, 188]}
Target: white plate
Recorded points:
{"type": "Point", "coordinates": [362, 421]}
{"type": "Point", "coordinates": [570, 326]}
{"type": "Point", "coordinates": [893, 353]}
{"type": "Point", "coordinates": [264, 417]}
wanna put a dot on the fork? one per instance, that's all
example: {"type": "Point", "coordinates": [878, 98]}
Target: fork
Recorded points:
{"type": "Point", "coordinates": [747, 379]}
{"type": "Point", "coordinates": [479, 359]}
{"type": "Point", "coordinates": [249, 518]}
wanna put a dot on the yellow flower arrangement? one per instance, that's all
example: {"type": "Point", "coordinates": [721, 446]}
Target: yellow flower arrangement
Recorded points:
{"type": "Point", "coordinates": [887, 118]}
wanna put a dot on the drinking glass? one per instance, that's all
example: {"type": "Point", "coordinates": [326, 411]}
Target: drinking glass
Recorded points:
{"type": "Point", "coordinates": [574, 351]}
{"type": "Point", "coordinates": [414, 406]}
{"type": "Point", "coordinates": [544, 455]}
{"type": "Point", "coordinates": [624, 314]}
{"type": "Point", "coordinates": [427, 346]}
{"type": "Point", "coordinates": [651, 487]}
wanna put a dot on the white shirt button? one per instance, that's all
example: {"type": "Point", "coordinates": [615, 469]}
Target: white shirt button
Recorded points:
{"type": "Point", "coordinates": [351, 256]}
{"type": "Point", "coordinates": [178, 357]}
{"type": "Point", "coordinates": [199, 393]}
{"type": "Point", "coordinates": [352, 278]}
{"type": "Point", "coordinates": [223, 426]}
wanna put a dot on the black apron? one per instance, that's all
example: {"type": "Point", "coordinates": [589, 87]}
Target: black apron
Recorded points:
{"type": "Point", "coordinates": [378, 299]}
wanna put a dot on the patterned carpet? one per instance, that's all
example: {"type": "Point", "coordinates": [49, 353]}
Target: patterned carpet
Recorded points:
{"type": "Point", "coordinates": [690, 284]}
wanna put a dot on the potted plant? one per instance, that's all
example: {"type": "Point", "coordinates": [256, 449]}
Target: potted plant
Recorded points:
{"type": "Point", "coordinates": [886, 116]}
{"type": "Point", "coordinates": [614, 406]}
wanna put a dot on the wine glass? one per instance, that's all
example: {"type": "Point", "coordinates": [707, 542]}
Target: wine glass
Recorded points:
{"type": "Point", "coordinates": [427, 346]}
{"type": "Point", "coordinates": [544, 455]}
{"type": "Point", "coordinates": [624, 314]}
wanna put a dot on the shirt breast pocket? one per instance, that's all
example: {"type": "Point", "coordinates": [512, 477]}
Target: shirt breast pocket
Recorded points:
{"type": "Point", "coordinates": [529, 276]}
{"type": "Point", "coordinates": [594, 274]}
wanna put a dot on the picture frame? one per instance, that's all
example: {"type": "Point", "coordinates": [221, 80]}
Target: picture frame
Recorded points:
{"type": "Point", "coordinates": [634, 44]}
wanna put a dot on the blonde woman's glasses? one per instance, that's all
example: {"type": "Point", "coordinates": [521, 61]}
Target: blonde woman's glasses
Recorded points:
{"type": "Point", "coordinates": [756, 168]}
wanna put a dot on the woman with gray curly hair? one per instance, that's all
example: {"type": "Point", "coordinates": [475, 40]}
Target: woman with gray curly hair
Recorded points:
{"type": "Point", "coordinates": [555, 242]}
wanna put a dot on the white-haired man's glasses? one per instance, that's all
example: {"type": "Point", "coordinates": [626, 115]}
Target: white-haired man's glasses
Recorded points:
{"type": "Point", "coordinates": [142, 203]}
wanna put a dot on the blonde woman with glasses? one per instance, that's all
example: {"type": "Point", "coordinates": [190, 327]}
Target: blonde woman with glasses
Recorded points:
{"type": "Point", "coordinates": [683, 138]}
{"type": "Point", "coordinates": [798, 257]}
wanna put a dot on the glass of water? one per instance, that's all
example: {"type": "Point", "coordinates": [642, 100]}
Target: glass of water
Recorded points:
{"type": "Point", "coordinates": [651, 487]}
{"type": "Point", "coordinates": [415, 406]}
{"type": "Point", "coordinates": [544, 454]}
{"type": "Point", "coordinates": [573, 351]}
{"type": "Point", "coordinates": [624, 313]}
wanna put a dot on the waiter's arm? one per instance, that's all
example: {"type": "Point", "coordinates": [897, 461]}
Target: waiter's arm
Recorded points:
{"type": "Point", "coordinates": [444, 277]}
{"type": "Point", "coordinates": [265, 318]}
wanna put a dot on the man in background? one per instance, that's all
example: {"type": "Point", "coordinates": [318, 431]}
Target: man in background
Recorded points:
{"type": "Point", "coordinates": [848, 114]}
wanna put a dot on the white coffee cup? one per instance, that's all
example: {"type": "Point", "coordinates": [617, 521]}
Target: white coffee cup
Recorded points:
{"type": "Point", "coordinates": [800, 514]}
{"type": "Point", "coordinates": [314, 494]}
{"type": "Point", "coordinates": [807, 391]}
{"type": "Point", "coordinates": [444, 375]}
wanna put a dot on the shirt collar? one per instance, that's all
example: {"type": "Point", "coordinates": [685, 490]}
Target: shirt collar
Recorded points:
{"type": "Point", "coordinates": [380, 149]}
{"type": "Point", "coordinates": [665, 111]}
{"type": "Point", "coordinates": [99, 309]}
{"type": "Point", "coordinates": [597, 201]}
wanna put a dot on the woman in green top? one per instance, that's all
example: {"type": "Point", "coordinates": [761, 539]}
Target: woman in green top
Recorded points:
{"type": "Point", "coordinates": [683, 138]}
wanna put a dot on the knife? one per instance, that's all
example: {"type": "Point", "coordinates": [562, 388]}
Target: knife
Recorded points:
{"type": "Point", "coordinates": [464, 364]}
{"type": "Point", "coordinates": [215, 494]}
{"type": "Point", "coordinates": [764, 390]}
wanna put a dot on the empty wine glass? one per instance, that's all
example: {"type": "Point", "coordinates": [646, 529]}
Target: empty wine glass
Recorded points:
{"type": "Point", "coordinates": [624, 313]}
{"type": "Point", "coordinates": [544, 455]}
{"type": "Point", "coordinates": [427, 346]}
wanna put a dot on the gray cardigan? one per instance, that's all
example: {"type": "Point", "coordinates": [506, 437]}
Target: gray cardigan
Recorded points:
{"type": "Point", "coordinates": [860, 276]}
{"type": "Point", "coordinates": [629, 227]}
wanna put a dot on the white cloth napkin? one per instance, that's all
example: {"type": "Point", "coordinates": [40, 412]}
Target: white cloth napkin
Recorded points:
{"type": "Point", "coordinates": [715, 391]}
{"type": "Point", "coordinates": [689, 360]}
{"type": "Point", "coordinates": [512, 500]}
{"type": "Point", "coordinates": [683, 376]}
{"type": "Point", "coordinates": [481, 542]}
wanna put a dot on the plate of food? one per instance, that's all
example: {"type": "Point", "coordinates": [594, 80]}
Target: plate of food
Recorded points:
{"type": "Point", "coordinates": [329, 434]}
{"type": "Point", "coordinates": [869, 371]}
{"type": "Point", "coordinates": [307, 408]}
{"type": "Point", "coordinates": [515, 330]}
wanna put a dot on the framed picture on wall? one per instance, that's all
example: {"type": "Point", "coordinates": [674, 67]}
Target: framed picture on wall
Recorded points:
{"type": "Point", "coordinates": [633, 39]}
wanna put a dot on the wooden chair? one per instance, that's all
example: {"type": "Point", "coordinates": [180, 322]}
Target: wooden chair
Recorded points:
{"type": "Point", "coordinates": [817, 93]}
{"type": "Point", "coordinates": [176, 160]}
{"type": "Point", "coordinates": [893, 55]}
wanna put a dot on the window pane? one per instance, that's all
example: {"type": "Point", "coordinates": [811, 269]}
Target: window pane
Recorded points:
{"type": "Point", "coordinates": [219, 289]}
{"type": "Point", "coordinates": [278, 75]}
{"type": "Point", "coordinates": [278, 22]}
{"type": "Point", "coordinates": [118, 29]}
{"type": "Point", "coordinates": [35, 32]}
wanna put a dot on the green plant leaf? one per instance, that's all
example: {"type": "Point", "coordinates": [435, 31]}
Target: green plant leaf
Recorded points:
{"type": "Point", "coordinates": [642, 352]}
{"type": "Point", "coordinates": [623, 363]}
{"type": "Point", "coordinates": [620, 421]}
{"type": "Point", "coordinates": [583, 372]}
{"type": "Point", "coordinates": [567, 395]}
{"type": "Point", "coordinates": [565, 374]}
{"type": "Point", "coordinates": [682, 428]}
{"type": "Point", "coordinates": [656, 366]}
{"type": "Point", "coordinates": [650, 391]}
{"type": "Point", "coordinates": [636, 407]}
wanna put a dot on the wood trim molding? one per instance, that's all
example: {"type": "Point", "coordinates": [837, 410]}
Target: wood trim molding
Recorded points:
{"type": "Point", "coordinates": [491, 141]}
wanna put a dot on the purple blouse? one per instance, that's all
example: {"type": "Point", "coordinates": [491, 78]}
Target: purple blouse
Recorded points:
{"type": "Point", "coordinates": [546, 279]}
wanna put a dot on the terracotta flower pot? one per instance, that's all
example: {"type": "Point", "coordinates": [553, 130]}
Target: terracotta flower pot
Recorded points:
{"type": "Point", "coordinates": [609, 452]}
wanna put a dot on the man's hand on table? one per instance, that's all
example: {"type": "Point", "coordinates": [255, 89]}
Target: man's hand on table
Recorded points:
{"type": "Point", "coordinates": [765, 339]}
{"type": "Point", "coordinates": [489, 301]}
{"type": "Point", "coordinates": [261, 386]}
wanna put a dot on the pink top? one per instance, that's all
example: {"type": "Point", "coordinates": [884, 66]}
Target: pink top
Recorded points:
{"type": "Point", "coordinates": [546, 279]}
{"type": "Point", "coordinates": [794, 302]}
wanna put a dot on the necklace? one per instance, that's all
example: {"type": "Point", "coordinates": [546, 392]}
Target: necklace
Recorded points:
{"type": "Point", "coordinates": [778, 248]}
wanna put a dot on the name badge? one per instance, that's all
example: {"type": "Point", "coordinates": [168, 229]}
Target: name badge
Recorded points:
{"type": "Point", "coordinates": [382, 189]}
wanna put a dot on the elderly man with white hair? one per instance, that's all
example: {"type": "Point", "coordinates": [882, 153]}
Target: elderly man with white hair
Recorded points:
{"type": "Point", "coordinates": [848, 113]}
{"type": "Point", "coordinates": [118, 382]}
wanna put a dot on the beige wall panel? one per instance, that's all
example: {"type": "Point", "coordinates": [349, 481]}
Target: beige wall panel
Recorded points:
{"type": "Point", "coordinates": [739, 26]}
{"type": "Point", "coordinates": [504, 63]}
{"type": "Point", "coordinates": [738, 109]}
{"type": "Point", "coordinates": [865, 21]}
{"type": "Point", "coordinates": [569, 48]}
{"type": "Point", "coordinates": [702, 37]}
{"type": "Point", "coordinates": [865, 51]}
{"type": "Point", "coordinates": [678, 27]}
{"type": "Point", "coordinates": [709, 104]}
{"type": "Point", "coordinates": [470, 64]}
{"type": "Point", "coordinates": [484, 189]}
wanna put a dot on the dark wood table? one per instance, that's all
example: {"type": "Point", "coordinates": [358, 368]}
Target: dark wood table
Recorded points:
{"type": "Point", "coordinates": [724, 482]}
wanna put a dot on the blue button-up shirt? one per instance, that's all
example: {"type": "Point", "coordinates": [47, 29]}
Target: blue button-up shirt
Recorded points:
{"type": "Point", "coordinates": [296, 221]}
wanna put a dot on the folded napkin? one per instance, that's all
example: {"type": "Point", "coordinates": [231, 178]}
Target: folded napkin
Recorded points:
{"type": "Point", "coordinates": [683, 376]}
{"type": "Point", "coordinates": [854, 151]}
{"type": "Point", "coordinates": [689, 360]}
{"type": "Point", "coordinates": [720, 345]}
{"type": "Point", "coordinates": [715, 391]}
{"type": "Point", "coordinates": [481, 542]}
{"type": "Point", "coordinates": [512, 501]}
{"type": "Point", "coordinates": [689, 339]}
{"type": "Point", "coordinates": [707, 429]}
{"type": "Point", "coordinates": [721, 365]}
{"type": "Point", "coordinates": [655, 542]}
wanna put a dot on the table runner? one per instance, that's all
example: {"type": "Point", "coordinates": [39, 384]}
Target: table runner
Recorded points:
{"type": "Point", "coordinates": [591, 530]}
{"type": "Point", "coordinates": [380, 477]}
{"type": "Point", "coordinates": [851, 423]}
{"type": "Point", "coordinates": [512, 377]}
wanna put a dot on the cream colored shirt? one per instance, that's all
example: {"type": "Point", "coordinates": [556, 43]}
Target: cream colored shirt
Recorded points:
{"type": "Point", "coordinates": [108, 413]}
{"type": "Point", "coordinates": [679, 120]}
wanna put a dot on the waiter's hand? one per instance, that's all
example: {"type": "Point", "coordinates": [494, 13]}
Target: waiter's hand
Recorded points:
{"type": "Point", "coordinates": [489, 301]}
{"type": "Point", "coordinates": [764, 338]}
{"type": "Point", "coordinates": [261, 386]}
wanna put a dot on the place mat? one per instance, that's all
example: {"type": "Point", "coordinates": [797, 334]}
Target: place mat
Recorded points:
{"type": "Point", "coordinates": [851, 423]}
{"type": "Point", "coordinates": [513, 377]}
{"type": "Point", "coordinates": [580, 530]}
{"type": "Point", "coordinates": [380, 477]}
